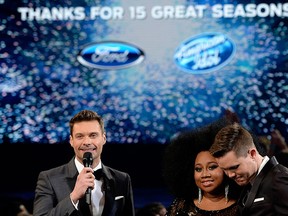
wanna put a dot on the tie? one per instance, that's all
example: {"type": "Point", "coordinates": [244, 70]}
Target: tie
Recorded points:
{"type": "Point", "coordinates": [98, 174]}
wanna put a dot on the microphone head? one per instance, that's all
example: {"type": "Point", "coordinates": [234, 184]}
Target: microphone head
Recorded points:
{"type": "Point", "coordinates": [87, 159]}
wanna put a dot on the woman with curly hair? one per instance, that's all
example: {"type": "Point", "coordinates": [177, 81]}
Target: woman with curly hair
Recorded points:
{"type": "Point", "coordinates": [193, 176]}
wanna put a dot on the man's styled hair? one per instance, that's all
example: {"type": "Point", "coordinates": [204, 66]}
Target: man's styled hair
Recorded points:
{"type": "Point", "coordinates": [86, 115]}
{"type": "Point", "coordinates": [233, 137]}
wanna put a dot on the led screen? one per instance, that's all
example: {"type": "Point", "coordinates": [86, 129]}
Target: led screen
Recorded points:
{"type": "Point", "coordinates": [150, 68]}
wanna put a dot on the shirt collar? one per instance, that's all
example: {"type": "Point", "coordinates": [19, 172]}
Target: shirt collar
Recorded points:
{"type": "Point", "coordinates": [80, 166]}
{"type": "Point", "coordinates": [264, 161]}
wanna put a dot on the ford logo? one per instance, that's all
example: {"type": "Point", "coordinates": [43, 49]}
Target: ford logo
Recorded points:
{"type": "Point", "coordinates": [204, 53]}
{"type": "Point", "coordinates": [110, 55]}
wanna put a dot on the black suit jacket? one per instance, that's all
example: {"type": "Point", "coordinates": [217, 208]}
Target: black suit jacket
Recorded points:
{"type": "Point", "coordinates": [269, 193]}
{"type": "Point", "coordinates": [52, 194]}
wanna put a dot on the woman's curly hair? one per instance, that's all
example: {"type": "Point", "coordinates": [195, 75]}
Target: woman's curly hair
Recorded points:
{"type": "Point", "coordinates": [179, 158]}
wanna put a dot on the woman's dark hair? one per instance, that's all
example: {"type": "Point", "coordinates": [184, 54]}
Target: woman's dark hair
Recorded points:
{"type": "Point", "coordinates": [179, 159]}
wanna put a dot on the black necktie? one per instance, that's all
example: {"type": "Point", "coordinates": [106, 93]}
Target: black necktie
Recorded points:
{"type": "Point", "coordinates": [98, 174]}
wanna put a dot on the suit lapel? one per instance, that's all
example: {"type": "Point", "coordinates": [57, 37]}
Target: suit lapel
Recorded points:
{"type": "Point", "coordinates": [268, 166]}
{"type": "Point", "coordinates": [84, 207]}
{"type": "Point", "coordinates": [71, 181]}
{"type": "Point", "coordinates": [72, 174]}
{"type": "Point", "coordinates": [109, 188]}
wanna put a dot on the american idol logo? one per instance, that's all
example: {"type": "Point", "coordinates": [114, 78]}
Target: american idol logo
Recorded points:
{"type": "Point", "coordinates": [204, 53]}
{"type": "Point", "coordinates": [110, 55]}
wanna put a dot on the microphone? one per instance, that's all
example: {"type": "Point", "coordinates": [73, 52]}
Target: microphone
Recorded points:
{"type": "Point", "coordinates": [87, 161]}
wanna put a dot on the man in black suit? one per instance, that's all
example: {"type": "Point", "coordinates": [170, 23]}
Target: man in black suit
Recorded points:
{"type": "Point", "coordinates": [62, 190]}
{"type": "Point", "coordinates": [265, 181]}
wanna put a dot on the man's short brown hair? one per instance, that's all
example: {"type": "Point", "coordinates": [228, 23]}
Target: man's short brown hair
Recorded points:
{"type": "Point", "coordinates": [233, 137]}
{"type": "Point", "coordinates": [86, 115]}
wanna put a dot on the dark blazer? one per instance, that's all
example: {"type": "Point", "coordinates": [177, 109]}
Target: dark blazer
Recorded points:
{"type": "Point", "coordinates": [52, 193]}
{"type": "Point", "coordinates": [269, 193]}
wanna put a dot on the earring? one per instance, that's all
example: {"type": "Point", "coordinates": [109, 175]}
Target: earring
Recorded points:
{"type": "Point", "coordinates": [199, 195]}
{"type": "Point", "coordinates": [226, 192]}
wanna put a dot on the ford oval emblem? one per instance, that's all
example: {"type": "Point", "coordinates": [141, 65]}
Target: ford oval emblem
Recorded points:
{"type": "Point", "coordinates": [204, 53]}
{"type": "Point", "coordinates": [110, 55]}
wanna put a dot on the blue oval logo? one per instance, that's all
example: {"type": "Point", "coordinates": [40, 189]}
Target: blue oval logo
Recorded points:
{"type": "Point", "coordinates": [110, 55]}
{"type": "Point", "coordinates": [204, 53]}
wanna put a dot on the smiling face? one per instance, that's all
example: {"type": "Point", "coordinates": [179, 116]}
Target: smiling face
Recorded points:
{"type": "Point", "coordinates": [207, 174]}
{"type": "Point", "coordinates": [87, 136]}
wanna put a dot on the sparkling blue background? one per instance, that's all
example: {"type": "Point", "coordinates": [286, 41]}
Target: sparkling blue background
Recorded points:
{"type": "Point", "coordinates": [43, 85]}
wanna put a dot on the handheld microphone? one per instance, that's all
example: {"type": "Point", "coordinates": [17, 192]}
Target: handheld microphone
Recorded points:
{"type": "Point", "coordinates": [87, 161]}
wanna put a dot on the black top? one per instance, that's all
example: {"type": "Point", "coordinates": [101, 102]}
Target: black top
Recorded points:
{"type": "Point", "coordinates": [180, 207]}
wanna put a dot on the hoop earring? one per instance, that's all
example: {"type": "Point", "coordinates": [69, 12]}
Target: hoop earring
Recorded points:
{"type": "Point", "coordinates": [226, 192]}
{"type": "Point", "coordinates": [199, 195]}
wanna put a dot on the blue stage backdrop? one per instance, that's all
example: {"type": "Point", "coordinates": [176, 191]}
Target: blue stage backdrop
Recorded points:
{"type": "Point", "coordinates": [150, 68]}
